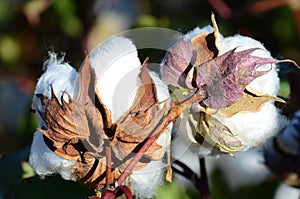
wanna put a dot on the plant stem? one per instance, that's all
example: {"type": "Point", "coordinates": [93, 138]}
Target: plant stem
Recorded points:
{"type": "Point", "coordinates": [204, 189]}
{"type": "Point", "coordinates": [172, 115]}
{"type": "Point", "coordinates": [108, 166]}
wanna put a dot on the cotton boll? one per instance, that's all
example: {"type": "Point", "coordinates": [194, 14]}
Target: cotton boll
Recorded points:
{"type": "Point", "coordinates": [117, 67]}
{"type": "Point", "coordinates": [60, 77]}
{"type": "Point", "coordinates": [46, 162]}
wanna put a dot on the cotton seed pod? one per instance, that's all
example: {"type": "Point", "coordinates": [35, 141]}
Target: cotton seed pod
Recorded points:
{"type": "Point", "coordinates": [238, 79]}
{"type": "Point", "coordinates": [81, 113]}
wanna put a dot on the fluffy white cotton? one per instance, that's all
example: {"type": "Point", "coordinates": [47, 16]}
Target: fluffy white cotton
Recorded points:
{"type": "Point", "coordinates": [117, 67]}
{"type": "Point", "coordinates": [285, 191]}
{"type": "Point", "coordinates": [197, 31]}
{"type": "Point", "coordinates": [144, 182]}
{"type": "Point", "coordinates": [254, 129]}
{"type": "Point", "coordinates": [62, 78]}
{"type": "Point", "coordinates": [45, 162]}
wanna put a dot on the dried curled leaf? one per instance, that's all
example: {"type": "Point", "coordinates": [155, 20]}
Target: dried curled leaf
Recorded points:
{"type": "Point", "coordinates": [91, 171]}
{"type": "Point", "coordinates": [140, 120]}
{"type": "Point", "coordinates": [184, 55]}
{"type": "Point", "coordinates": [218, 135]}
{"type": "Point", "coordinates": [76, 126]}
{"type": "Point", "coordinates": [252, 101]}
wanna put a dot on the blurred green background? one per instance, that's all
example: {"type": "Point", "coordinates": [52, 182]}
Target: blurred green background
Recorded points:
{"type": "Point", "coordinates": [30, 28]}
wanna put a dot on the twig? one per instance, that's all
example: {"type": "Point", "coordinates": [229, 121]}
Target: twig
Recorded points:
{"type": "Point", "coordinates": [173, 114]}
{"type": "Point", "coordinates": [108, 166]}
{"type": "Point", "coordinates": [204, 189]}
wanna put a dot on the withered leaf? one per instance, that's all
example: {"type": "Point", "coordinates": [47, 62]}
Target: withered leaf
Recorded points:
{"type": "Point", "coordinates": [92, 171]}
{"type": "Point", "coordinates": [185, 54]}
{"type": "Point", "coordinates": [218, 135]}
{"type": "Point", "coordinates": [225, 77]}
{"type": "Point", "coordinates": [251, 101]}
{"type": "Point", "coordinates": [76, 123]}
{"type": "Point", "coordinates": [141, 119]}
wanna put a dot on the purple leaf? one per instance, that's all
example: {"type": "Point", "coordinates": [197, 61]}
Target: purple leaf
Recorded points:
{"type": "Point", "coordinates": [176, 62]}
{"type": "Point", "coordinates": [224, 78]}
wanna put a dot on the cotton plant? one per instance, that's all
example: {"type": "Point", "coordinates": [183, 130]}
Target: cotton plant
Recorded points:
{"type": "Point", "coordinates": [87, 124]}
{"type": "Point", "coordinates": [109, 125]}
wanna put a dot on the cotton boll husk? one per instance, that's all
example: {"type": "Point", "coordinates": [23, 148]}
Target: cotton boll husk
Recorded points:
{"type": "Point", "coordinates": [145, 181]}
{"type": "Point", "coordinates": [62, 78]}
{"type": "Point", "coordinates": [117, 67]}
{"type": "Point", "coordinates": [254, 129]}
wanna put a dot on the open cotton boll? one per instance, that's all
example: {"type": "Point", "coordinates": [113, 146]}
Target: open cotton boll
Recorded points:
{"type": "Point", "coordinates": [117, 67]}
{"type": "Point", "coordinates": [254, 129]}
{"type": "Point", "coordinates": [60, 77]}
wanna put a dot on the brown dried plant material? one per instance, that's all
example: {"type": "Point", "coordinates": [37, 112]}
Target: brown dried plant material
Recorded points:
{"type": "Point", "coordinates": [217, 134]}
{"type": "Point", "coordinates": [252, 101]}
{"type": "Point", "coordinates": [91, 171]}
{"type": "Point", "coordinates": [74, 127]}
{"type": "Point", "coordinates": [184, 55]}
{"type": "Point", "coordinates": [78, 130]}
{"type": "Point", "coordinates": [140, 120]}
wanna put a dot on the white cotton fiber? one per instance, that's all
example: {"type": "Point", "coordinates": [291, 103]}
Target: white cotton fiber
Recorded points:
{"type": "Point", "coordinates": [196, 31]}
{"type": "Point", "coordinates": [117, 66]}
{"type": "Point", "coordinates": [144, 182]}
{"type": "Point", "coordinates": [45, 162]}
{"type": "Point", "coordinates": [62, 78]}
